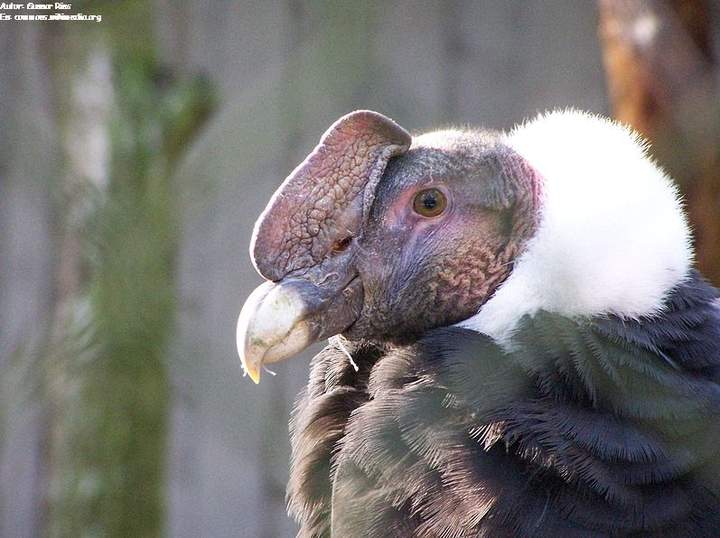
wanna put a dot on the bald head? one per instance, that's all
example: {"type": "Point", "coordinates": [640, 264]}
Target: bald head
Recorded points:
{"type": "Point", "coordinates": [383, 237]}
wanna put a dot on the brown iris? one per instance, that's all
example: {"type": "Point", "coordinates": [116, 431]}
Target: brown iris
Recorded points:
{"type": "Point", "coordinates": [429, 203]}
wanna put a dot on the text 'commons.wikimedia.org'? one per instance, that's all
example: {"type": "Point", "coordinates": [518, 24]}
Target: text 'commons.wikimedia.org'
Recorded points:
{"type": "Point", "coordinates": [31, 11]}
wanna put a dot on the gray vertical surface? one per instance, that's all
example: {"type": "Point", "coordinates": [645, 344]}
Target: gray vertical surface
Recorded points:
{"type": "Point", "coordinates": [27, 167]}
{"type": "Point", "coordinates": [285, 71]}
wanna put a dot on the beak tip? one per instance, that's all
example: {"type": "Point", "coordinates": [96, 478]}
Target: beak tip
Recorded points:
{"type": "Point", "coordinates": [254, 375]}
{"type": "Point", "coordinates": [250, 368]}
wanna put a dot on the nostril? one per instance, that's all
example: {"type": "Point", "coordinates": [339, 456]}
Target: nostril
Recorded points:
{"type": "Point", "coordinates": [342, 244]}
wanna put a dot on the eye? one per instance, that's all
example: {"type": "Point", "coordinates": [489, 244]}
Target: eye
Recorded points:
{"type": "Point", "coordinates": [429, 203]}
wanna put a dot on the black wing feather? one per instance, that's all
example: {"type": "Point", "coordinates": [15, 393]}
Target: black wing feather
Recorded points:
{"type": "Point", "coordinates": [586, 427]}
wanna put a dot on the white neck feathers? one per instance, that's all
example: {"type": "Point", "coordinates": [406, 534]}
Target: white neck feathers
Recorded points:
{"type": "Point", "coordinates": [612, 239]}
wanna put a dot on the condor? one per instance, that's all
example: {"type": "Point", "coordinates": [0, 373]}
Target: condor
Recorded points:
{"type": "Point", "coordinates": [519, 345]}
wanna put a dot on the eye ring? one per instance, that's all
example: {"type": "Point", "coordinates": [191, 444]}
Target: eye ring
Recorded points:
{"type": "Point", "coordinates": [430, 202]}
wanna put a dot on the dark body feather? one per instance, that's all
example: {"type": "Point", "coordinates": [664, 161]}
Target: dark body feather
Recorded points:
{"type": "Point", "coordinates": [587, 427]}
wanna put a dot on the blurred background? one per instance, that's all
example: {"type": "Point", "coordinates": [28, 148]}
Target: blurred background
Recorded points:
{"type": "Point", "coordinates": [135, 155]}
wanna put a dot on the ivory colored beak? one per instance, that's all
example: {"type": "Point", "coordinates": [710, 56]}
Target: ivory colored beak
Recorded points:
{"type": "Point", "coordinates": [272, 326]}
{"type": "Point", "coordinates": [280, 319]}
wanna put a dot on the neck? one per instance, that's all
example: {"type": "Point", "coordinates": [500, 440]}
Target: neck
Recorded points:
{"type": "Point", "coordinates": [612, 237]}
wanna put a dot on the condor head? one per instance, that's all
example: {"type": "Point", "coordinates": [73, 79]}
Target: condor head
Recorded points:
{"type": "Point", "coordinates": [382, 236]}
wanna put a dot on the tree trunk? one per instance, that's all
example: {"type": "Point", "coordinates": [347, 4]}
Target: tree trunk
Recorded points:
{"type": "Point", "coordinates": [662, 78]}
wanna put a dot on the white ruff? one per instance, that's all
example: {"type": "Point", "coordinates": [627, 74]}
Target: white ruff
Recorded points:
{"type": "Point", "coordinates": [612, 238]}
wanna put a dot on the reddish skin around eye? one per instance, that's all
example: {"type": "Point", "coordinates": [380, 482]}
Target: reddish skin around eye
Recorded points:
{"type": "Point", "coordinates": [402, 212]}
{"type": "Point", "coordinates": [424, 272]}
{"type": "Point", "coordinates": [454, 261]}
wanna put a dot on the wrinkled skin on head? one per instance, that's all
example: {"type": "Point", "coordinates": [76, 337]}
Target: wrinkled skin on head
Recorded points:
{"type": "Point", "coordinates": [348, 252]}
{"type": "Point", "coordinates": [419, 273]}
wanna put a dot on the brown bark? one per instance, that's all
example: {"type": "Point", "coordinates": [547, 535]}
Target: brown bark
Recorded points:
{"type": "Point", "coordinates": [662, 79]}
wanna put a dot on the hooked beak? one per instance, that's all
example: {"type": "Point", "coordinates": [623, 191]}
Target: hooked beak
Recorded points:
{"type": "Point", "coordinates": [281, 319]}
